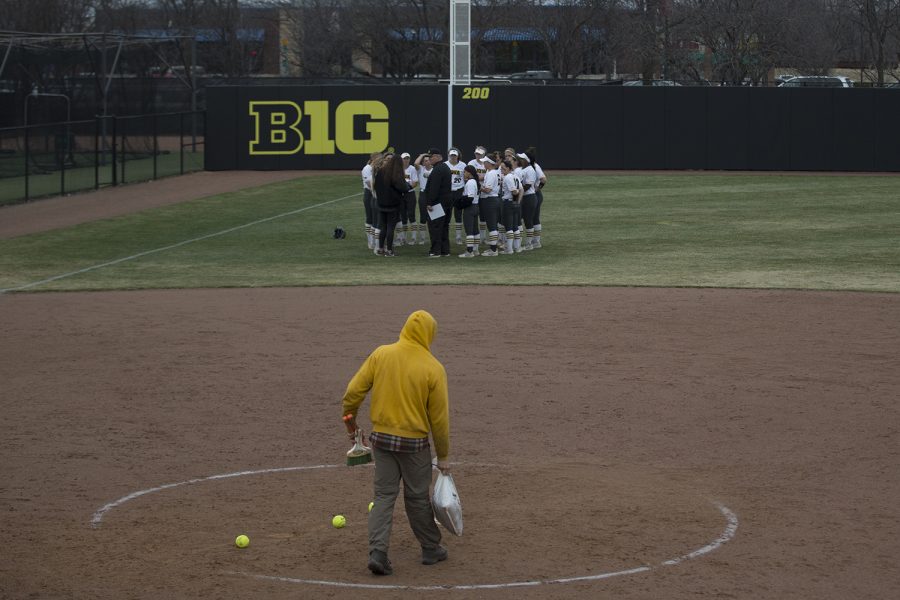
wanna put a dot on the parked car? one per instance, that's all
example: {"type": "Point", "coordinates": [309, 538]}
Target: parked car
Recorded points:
{"type": "Point", "coordinates": [654, 83]}
{"type": "Point", "coordinates": [818, 81]}
{"type": "Point", "coordinates": [531, 75]}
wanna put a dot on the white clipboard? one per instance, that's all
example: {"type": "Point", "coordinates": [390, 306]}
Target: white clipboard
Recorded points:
{"type": "Point", "coordinates": [436, 212]}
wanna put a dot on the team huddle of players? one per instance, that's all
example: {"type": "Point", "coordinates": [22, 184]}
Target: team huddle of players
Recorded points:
{"type": "Point", "coordinates": [497, 201]}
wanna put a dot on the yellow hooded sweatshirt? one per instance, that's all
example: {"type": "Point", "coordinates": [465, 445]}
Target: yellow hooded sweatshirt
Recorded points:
{"type": "Point", "coordinates": [409, 386]}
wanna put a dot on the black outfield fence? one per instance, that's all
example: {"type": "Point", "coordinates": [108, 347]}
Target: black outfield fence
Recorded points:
{"type": "Point", "coordinates": [70, 156]}
{"type": "Point", "coordinates": [580, 127]}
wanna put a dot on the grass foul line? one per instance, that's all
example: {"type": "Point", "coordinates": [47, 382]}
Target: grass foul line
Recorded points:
{"type": "Point", "coordinates": [164, 248]}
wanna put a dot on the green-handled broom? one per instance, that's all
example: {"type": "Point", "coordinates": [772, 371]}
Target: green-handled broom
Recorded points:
{"type": "Point", "coordinates": [359, 454]}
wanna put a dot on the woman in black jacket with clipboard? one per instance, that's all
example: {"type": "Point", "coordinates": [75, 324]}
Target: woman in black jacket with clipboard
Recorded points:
{"type": "Point", "coordinates": [390, 188]}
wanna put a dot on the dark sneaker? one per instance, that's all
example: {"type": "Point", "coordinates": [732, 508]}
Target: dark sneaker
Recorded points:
{"type": "Point", "coordinates": [433, 255]}
{"type": "Point", "coordinates": [389, 253]}
{"type": "Point", "coordinates": [434, 555]}
{"type": "Point", "coordinates": [379, 563]}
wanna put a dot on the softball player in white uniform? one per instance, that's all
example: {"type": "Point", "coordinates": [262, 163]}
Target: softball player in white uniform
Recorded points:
{"type": "Point", "coordinates": [508, 154]}
{"type": "Point", "coordinates": [489, 203]}
{"type": "Point", "coordinates": [423, 168]}
{"type": "Point", "coordinates": [542, 181]}
{"type": "Point", "coordinates": [469, 207]}
{"type": "Point", "coordinates": [529, 200]}
{"type": "Point", "coordinates": [456, 188]}
{"type": "Point", "coordinates": [478, 163]}
{"type": "Point", "coordinates": [368, 197]}
{"type": "Point", "coordinates": [408, 208]}
{"type": "Point", "coordinates": [518, 234]}
{"type": "Point", "coordinates": [511, 194]}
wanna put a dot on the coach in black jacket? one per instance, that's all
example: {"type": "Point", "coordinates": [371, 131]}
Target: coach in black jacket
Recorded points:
{"type": "Point", "coordinates": [438, 192]}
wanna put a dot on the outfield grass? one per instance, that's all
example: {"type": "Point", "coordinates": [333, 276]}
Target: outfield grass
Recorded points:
{"type": "Point", "coordinates": [12, 189]}
{"type": "Point", "coordinates": [705, 230]}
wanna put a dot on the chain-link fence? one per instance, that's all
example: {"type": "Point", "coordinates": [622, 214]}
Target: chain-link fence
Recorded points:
{"type": "Point", "coordinates": [60, 158]}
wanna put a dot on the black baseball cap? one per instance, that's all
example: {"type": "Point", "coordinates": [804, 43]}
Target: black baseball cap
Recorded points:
{"type": "Point", "coordinates": [436, 151]}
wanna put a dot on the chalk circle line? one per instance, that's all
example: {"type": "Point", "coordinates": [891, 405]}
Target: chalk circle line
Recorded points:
{"type": "Point", "coordinates": [731, 527]}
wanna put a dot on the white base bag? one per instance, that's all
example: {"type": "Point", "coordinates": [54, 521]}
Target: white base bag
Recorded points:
{"type": "Point", "coordinates": [447, 508]}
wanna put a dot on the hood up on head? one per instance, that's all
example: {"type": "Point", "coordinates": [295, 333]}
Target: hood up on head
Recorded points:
{"type": "Point", "coordinates": [420, 328]}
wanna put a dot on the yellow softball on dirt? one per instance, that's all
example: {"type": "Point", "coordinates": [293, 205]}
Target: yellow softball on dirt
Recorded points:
{"type": "Point", "coordinates": [371, 506]}
{"type": "Point", "coordinates": [242, 541]}
{"type": "Point", "coordinates": [338, 521]}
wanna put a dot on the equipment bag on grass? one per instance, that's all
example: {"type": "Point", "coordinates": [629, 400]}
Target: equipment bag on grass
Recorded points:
{"type": "Point", "coordinates": [447, 508]}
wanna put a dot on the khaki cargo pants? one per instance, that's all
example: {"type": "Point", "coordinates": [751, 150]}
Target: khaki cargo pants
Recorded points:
{"type": "Point", "coordinates": [415, 471]}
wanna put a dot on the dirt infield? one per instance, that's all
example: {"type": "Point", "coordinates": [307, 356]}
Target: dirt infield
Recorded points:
{"type": "Point", "coordinates": [598, 433]}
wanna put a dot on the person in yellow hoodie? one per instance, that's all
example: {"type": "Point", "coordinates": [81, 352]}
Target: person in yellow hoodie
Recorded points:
{"type": "Point", "coordinates": [409, 401]}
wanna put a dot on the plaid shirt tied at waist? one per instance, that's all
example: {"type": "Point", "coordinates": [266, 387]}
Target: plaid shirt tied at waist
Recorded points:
{"type": "Point", "coordinates": [395, 443]}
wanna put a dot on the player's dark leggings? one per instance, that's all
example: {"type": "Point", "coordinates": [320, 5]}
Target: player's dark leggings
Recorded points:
{"type": "Point", "coordinates": [457, 212]}
{"type": "Point", "coordinates": [529, 205]}
{"type": "Point", "coordinates": [537, 210]}
{"type": "Point", "coordinates": [388, 220]}
{"type": "Point", "coordinates": [489, 209]}
{"type": "Point", "coordinates": [509, 216]}
{"type": "Point", "coordinates": [470, 219]}
{"type": "Point", "coordinates": [367, 204]}
{"type": "Point", "coordinates": [408, 208]}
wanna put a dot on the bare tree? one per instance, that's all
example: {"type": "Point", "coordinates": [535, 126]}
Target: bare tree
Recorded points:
{"type": "Point", "coordinates": [878, 23]}
{"type": "Point", "coordinates": [733, 41]}
{"type": "Point", "coordinates": [570, 30]}
{"type": "Point", "coordinates": [403, 37]}
{"type": "Point", "coordinates": [816, 38]}
{"type": "Point", "coordinates": [225, 17]}
{"type": "Point", "coordinates": [642, 26]}
{"type": "Point", "coordinates": [49, 63]}
{"type": "Point", "coordinates": [45, 16]}
{"type": "Point", "coordinates": [127, 16]}
{"type": "Point", "coordinates": [318, 38]}
{"type": "Point", "coordinates": [895, 67]}
{"type": "Point", "coordinates": [487, 16]}
{"type": "Point", "coordinates": [747, 38]}
{"type": "Point", "coordinates": [181, 14]}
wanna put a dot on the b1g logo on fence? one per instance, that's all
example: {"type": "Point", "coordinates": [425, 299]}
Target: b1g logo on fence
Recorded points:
{"type": "Point", "coordinates": [276, 127]}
